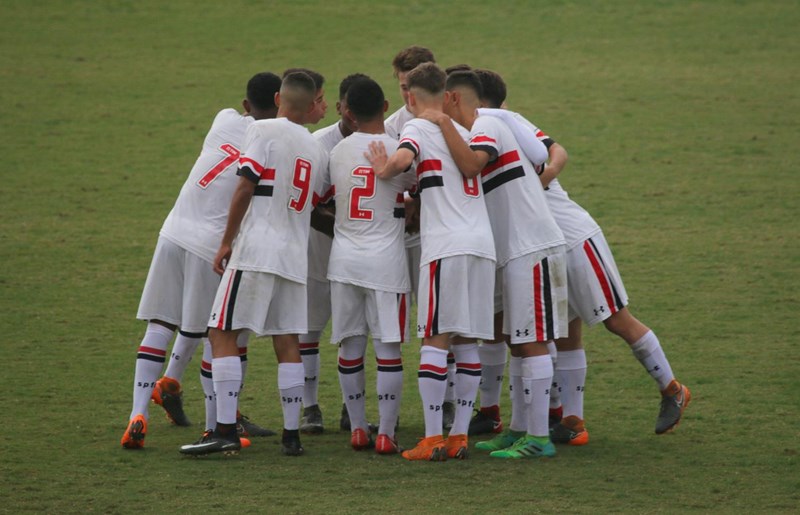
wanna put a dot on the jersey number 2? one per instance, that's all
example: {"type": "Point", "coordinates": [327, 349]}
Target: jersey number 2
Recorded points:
{"type": "Point", "coordinates": [232, 157]}
{"type": "Point", "coordinates": [302, 181]}
{"type": "Point", "coordinates": [359, 192]}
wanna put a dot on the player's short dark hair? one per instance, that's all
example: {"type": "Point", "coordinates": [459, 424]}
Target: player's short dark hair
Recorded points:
{"type": "Point", "coordinates": [319, 80]}
{"type": "Point", "coordinates": [300, 81]}
{"type": "Point", "coordinates": [261, 89]}
{"type": "Point", "coordinates": [349, 81]}
{"type": "Point", "coordinates": [457, 68]}
{"type": "Point", "coordinates": [365, 99]}
{"type": "Point", "coordinates": [427, 77]}
{"type": "Point", "coordinates": [467, 79]}
{"type": "Point", "coordinates": [411, 57]}
{"type": "Point", "coordinates": [494, 87]}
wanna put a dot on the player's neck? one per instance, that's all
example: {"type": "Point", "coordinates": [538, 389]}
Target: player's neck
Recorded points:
{"type": "Point", "coordinates": [343, 129]}
{"type": "Point", "coordinates": [372, 127]}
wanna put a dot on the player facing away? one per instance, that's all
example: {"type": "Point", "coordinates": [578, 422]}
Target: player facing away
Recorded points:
{"type": "Point", "coordinates": [181, 284]}
{"type": "Point", "coordinates": [531, 261]}
{"type": "Point", "coordinates": [319, 291]}
{"type": "Point", "coordinates": [405, 61]}
{"type": "Point", "coordinates": [368, 271]}
{"type": "Point", "coordinates": [455, 292]}
{"type": "Point", "coordinates": [596, 292]}
{"type": "Point", "coordinates": [264, 272]}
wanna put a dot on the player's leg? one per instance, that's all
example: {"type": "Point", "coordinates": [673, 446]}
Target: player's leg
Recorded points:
{"type": "Point", "coordinates": [556, 410]}
{"type": "Point", "coordinates": [311, 423]}
{"type": "Point", "coordinates": [468, 377]}
{"type": "Point", "coordinates": [353, 383]}
{"type": "Point", "coordinates": [493, 357]}
{"type": "Point", "coordinates": [570, 378]}
{"type": "Point", "coordinates": [207, 382]}
{"type": "Point", "coordinates": [168, 392]}
{"type": "Point", "coordinates": [290, 383]}
{"type": "Point", "coordinates": [244, 426]}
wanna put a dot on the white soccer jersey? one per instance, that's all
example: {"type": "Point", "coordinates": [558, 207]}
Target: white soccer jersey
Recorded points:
{"type": "Point", "coordinates": [368, 248]}
{"type": "Point", "coordinates": [394, 126]}
{"type": "Point", "coordinates": [521, 220]}
{"type": "Point", "coordinates": [453, 216]}
{"type": "Point", "coordinates": [319, 244]}
{"type": "Point", "coordinates": [197, 220]}
{"type": "Point", "coordinates": [288, 166]}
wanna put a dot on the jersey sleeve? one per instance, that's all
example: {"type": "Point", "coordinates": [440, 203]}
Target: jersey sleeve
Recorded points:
{"type": "Point", "coordinates": [529, 137]}
{"type": "Point", "coordinates": [482, 137]}
{"type": "Point", "coordinates": [409, 139]}
{"type": "Point", "coordinates": [255, 154]}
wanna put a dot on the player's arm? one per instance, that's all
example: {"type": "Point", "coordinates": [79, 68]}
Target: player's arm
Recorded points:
{"type": "Point", "coordinates": [239, 204]}
{"type": "Point", "coordinates": [558, 159]}
{"type": "Point", "coordinates": [526, 134]}
{"type": "Point", "coordinates": [386, 167]}
{"type": "Point", "coordinates": [470, 162]}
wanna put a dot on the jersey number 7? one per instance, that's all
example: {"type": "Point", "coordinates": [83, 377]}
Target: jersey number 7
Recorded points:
{"type": "Point", "coordinates": [232, 157]}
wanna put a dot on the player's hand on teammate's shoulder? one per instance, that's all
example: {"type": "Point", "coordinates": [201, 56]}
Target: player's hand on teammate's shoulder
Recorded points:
{"type": "Point", "coordinates": [433, 116]}
{"type": "Point", "coordinates": [222, 258]}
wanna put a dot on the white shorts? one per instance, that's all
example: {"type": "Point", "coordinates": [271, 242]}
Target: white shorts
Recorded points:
{"type": "Point", "coordinates": [455, 295]}
{"type": "Point", "coordinates": [319, 304]}
{"type": "Point", "coordinates": [535, 305]}
{"type": "Point", "coordinates": [361, 311]}
{"type": "Point", "coordinates": [262, 302]}
{"type": "Point", "coordinates": [180, 288]}
{"type": "Point", "coordinates": [595, 287]}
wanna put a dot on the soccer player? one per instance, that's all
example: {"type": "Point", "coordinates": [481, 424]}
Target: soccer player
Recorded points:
{"type": "Point", "coordinates": [319, 291]}
{"type": "Point", "coordinates": [455, 293]}
{"type": "Point", "coordinates": [264, 272]}
{"type": "Point", "coordinates": [405, 61]}
{"type": "Point", "coordinates": [596, 291]}
{"type": "Point", "coordinates": [531, 261]}
{"type": "Point", "coordinates": [181, 283]}
{"type": "Point", "coordinates": [368, 269]}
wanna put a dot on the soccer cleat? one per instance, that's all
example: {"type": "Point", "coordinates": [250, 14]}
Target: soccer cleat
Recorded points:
{"type": "Point", "coordinates": [344, 421]}
{"type": "Point", "coordinates": [527, 447]}
{"type": "Point", "coordinates": [290, 443]}
{"type": "Point", "coordinates": [361, 439]}
{"type": "Point", "coordinates": [135, 433]}
{"type": "Point", "coordinates": [385, 444]}
{"type": "Point", "coordinates": [246, 427]}
{"type": "Point", "coordinates": [311, 423]}
{"type": "Point", "coordinates": [456, 447]}
{"type": "Point", "coordinates": [448, 415]}
{"type": "Point", "coordinates": [570, 430]}
{"type": "Point", "coordinates": [502, 441]}
{"type": "Point", "coordinates": [674, 400]}
{"type": "Point", "coordinates": [212, 442]}
{"type": "Point", "coordinates": [554, 416]}
{"type": "Point", "coordinates": [487, 420]}
{"type": "Point", "coordinates": [169, 395]}
{"type": "Point", "coordinates": [431, 448]}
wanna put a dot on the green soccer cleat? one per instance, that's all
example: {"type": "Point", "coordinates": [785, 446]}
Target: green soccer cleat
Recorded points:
{"type": "Point", "coordinates": [527, 447]}
{"type": "Point", "coordinates": [502, 441]}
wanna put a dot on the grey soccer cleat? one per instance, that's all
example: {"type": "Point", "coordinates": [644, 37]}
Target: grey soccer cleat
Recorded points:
{"type": "Point", "coordinates": [311, 423]}
{"type": "Point", "coordinates": [674, 400]}
{"type": "Point", "coordinates": [246, 427]}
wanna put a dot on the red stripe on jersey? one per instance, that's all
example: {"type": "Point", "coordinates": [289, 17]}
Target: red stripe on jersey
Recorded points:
{"type": "Point", "coordinates": [483, 139]}
{"type": "Point", "coordinates": [324, 198]}
{"type": "Point", "coordinates": [504, 160]}
{"type": "Point", "coordinates": [600, 273]}
{"type": "Point", "coordinates": [221, 322]}
{"type": "Point", "coordinates": [411, 142]}
{"type": "Point", "coordinates": [429, 165]}
{"type": "Point", "coordinates": [469, 366]}
{"type": "Point", "coordinates": [255, 165]}
{"type": "Point", "coordinates": [402, 316]}
{"type": "Point", "coordinates": [151, 350]}
{"type": "Point", "coordinates": [400, 198]}
{"type": "Point", "coordinates": [350, 362]}
{"type": "Point", "coordinates": [268, 174]}
{"type": "Point", "coordinates": [541, 135]}
{"type": "Point", "coordinates": [433, 368]}
{"type": "Point", "coordinates": [538, 309]}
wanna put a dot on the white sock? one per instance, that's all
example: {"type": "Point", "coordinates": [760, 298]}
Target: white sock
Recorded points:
{"type": "Point", "coordinates": [182, 352]}
{"type": "Point", "coordinates": [493, 364]}
{"type": "Point", "coordinates": [468, 378]}
{"type": "Point", "coordinates": [149, 362]}
{"type": "Point", "coordinates": [389, 384]}
{"type": "Point", "coordinates": [241, 342]}
{"type": "Point", "coordinates": [432, 380]}
{"type": "Point", "coordinates": [650, 354]}
{"type": "Point", "coordinates": [571, 371]}
{"type": "Point", "coordinates": [449, 393]}
{"type": "Point", "coordinates": [537, 376]}
{"type": "Point", "coordinates": [352, 379]}
{"type": "Point", "coordinates": [290, 384]}
{"type": "Point", "coordinates": [207, 381]}
{"type": "Point", "coordinates": [555, 388]}
{"type": "Point", "coordinates": [227, 381]}
{"type": "Point", "coordinates": [309, 351]}
{"type": "Point", "coordinates": [519, 417]}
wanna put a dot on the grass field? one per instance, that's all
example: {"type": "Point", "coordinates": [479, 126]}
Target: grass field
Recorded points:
{"type": "Point", "coordinates": [681, 120]}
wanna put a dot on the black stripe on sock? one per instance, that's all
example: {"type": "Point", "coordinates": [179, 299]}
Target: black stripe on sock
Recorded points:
{"type": "Point", "coordinates": [351, 370]}
{"type": "Point", "coordinates": [150, 357]}
{"type": "Point", "coordinates": [432, 375]}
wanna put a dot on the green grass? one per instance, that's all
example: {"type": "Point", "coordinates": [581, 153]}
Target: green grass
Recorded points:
{"type": "Point", "coordinates": [681, 123]}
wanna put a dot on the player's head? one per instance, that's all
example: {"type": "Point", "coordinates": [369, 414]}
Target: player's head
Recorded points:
{"type": "Point", "coordinates": [341, 104]}
{"type": "Point", "coordinates": [425, 87]}
{"type": "Point", "coordinates": [457, 68]}
{"type": "Point", "coordinates": [464, 95]}
{"type": "Point", "coordinates": [260, 100]}
{"type": "Point", "coordinates": [494, 88]}
{"type": "Point", "coordinates": [320, 106]}
{"type": "Point", "coordinates": [405, 61]}
{"type": "Point", "coordinates": [366, 102]}
{"type": "Point", "coordinates": [296, 97]}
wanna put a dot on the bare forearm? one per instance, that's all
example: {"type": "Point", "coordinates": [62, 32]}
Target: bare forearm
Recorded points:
{"type": "Point", "coordinates": [466, 159]}
{"type": "Point", "coordinates": [557, 162]}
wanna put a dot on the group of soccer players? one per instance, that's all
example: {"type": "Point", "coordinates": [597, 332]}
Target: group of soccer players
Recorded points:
{"type": "Point", "coordinates": [452, 198]}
